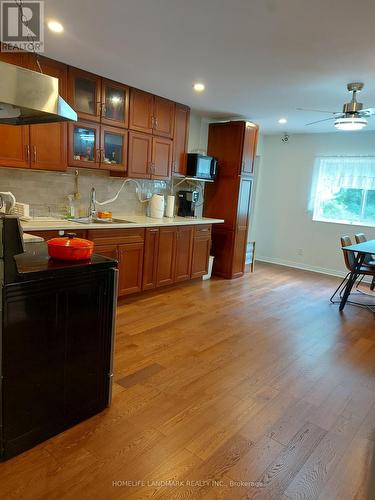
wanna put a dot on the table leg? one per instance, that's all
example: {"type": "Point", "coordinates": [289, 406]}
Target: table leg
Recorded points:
{"type": "Point", "coordinates": [352, 279]}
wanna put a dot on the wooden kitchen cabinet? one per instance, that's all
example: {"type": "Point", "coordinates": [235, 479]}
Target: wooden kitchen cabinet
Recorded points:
{"type": "Point", "coordinates": [166, 256]}
{"type": "Point", "coordinates": [150, 258]}
{"type": "Point", "coordinates": [42, 146]}
{"type": "Point", "coordinates": [113, 148]}
{"type": "Point", "coordinates": [48, 141]}
{"type": "Point", "coordinates": [110, 251]}
{"type": "Point", "coordinates": [184, 250]}
{"type": "Point", "coordinates": [234, 145]}
{"type": "Point", "coordinates": [84, 144]}
{"type": "Point", "coordinates": [14, 146]}
{"type": "Point", "coordinates": [250, 140]}
{"type": "Point", "coordinates": [181, 135]}
{"type": "Point", "coordinates": [161, 158]}
{"type": "Point", "coordinates": [48, 146]}
{"type": "Point", "coordinates": [84, 93]}
{"type": "Point", "coordinates": [130, 258]}
{"type": "Point", "coordinates": [149, 157]}
{"type": "Point", "coordinates": [140, 155]}
{"type": "Point", "coordinates": [115, 104]}
{"type": "Point", "coordinates": [163, 122]}
{"type": "Point", "coordinates": [141, 111]}
{"type": "Point", "coordinates": [201, 251]}
{"type": "Point", "coordinates": [151, 114]}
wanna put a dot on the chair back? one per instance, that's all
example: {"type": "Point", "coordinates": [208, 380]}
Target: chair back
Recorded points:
{"type": "Point", "coordinates": [360, 238]}
{"type": "Point", "coordinates": [349, 258]}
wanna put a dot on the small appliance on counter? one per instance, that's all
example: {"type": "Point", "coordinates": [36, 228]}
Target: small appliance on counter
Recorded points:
{"type": "Point", "coordinates": [186, 203]}
{"type": "Point", "coordinates": [201, 166]}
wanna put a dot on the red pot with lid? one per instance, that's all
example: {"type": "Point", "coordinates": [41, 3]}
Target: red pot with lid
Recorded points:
{"type": "Point", "coordinates": [70, 248]}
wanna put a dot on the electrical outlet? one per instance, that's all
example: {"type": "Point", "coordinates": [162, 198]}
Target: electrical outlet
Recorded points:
{"type": "Point", "coordinates": [300, 252]}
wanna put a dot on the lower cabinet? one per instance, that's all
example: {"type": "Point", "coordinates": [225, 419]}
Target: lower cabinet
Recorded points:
{"type": "Point", "coordinates": [166, 256]}
{"type": "Point", "coordinates": [110, 251]}
{"type": "Point", "coordinates": [130, 257]}
{"type": "Point", "coordinates": [152, 257]}
{"type": "Point", "coordinates": [184, 253]}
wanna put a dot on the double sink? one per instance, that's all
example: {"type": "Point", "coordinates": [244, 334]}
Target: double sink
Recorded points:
{"type": "Point", "coordinates": [89, 220]}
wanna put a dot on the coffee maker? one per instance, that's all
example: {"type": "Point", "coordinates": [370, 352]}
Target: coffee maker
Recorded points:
{"type": "Point", "coordinates": [186, 203]}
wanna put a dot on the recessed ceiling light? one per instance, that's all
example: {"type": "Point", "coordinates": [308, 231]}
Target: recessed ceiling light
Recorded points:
{"type": "Point", "coordinates": [199, 87]}
{"type": "Point", "coordinates": [282, 121]}
{"type": "Point", "coordinates": [55, 26]}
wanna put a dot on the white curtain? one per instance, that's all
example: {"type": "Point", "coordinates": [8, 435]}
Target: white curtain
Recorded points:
{"type": "Point", "coordinates": [336, 172]}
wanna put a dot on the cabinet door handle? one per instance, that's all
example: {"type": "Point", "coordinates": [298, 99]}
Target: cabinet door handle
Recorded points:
{"type": "Point", "coordinates": [155, 122]}
{"type": "Point", "coordinates": [34, 154]}
{"type": "Point", "coordinates": [27, 152]}
{"type": "Point", "coordinates": [102, 155]}
{"type": "Point", "coordinates": [153, 230]}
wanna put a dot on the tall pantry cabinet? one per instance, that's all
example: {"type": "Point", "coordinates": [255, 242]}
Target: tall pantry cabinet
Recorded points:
{"type": "Point", "coordinates": [234, 145]}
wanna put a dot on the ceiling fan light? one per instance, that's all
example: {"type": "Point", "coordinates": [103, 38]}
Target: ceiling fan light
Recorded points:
{"type": "Point", "coordinates": [350, 124]}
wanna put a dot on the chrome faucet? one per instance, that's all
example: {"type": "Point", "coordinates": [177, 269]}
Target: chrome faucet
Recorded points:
{"type": "Point", "coordinates": [92, 206]}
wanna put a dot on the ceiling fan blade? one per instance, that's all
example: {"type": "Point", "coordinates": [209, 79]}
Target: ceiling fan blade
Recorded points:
{"type": "Point", "coordinates": [367, 112]}
{"type": "Point", "coordinates": [318, 111]}
{"type": "Point", "coordinates": [325, 120]}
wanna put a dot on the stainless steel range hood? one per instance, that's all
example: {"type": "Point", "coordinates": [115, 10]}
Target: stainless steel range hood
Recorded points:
{"type": "Point", "coordinates": [28, 97]}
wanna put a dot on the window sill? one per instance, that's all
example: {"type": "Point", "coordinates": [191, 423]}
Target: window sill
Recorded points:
{"type": "Point", "coordinates": [344, 222]}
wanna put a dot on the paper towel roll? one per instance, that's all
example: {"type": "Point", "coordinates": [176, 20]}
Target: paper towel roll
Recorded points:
{"type": "Point", "coordinates": [157, 206]}
{"type": "Point", "coordinates": [169, 211]}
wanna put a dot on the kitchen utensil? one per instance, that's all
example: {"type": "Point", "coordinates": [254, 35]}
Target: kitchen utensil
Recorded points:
{"type": "Point", "coordinates": [70, 248]}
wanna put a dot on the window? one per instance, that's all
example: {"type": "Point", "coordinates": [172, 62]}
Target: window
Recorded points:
{"type": "Point", "coordinates": [344, 190]}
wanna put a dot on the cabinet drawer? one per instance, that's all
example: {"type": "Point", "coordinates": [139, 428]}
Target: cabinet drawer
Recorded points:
{"type": "Point", "coordinates": [116, 236]}
{"type": "Point", "coordinates": [202, 229]}
{"type": "Point", "coordinates": [54, 233]}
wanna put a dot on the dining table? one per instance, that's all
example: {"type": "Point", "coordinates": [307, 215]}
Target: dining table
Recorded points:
{"type": "Point", "coordinates": [360, 251]}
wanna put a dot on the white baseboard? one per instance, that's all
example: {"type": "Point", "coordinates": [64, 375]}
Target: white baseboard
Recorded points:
{"type": "Point", "coordinates": [304, 267]}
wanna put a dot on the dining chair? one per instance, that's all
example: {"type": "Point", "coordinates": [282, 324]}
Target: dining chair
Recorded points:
{"type": "Point", "coordinates": [369, 259]}
{"type": "Point", "coordinates": [349, 260]}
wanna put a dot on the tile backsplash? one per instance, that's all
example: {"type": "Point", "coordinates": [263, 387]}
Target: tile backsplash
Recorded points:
{"type": "Point", "coordinates": [46, 192]}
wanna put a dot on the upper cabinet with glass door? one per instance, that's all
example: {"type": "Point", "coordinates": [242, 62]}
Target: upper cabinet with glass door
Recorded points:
{"type": "Point", "coordinates": [115, 104]}
{"type": "Point", "coordinates": [97, 99]}
{"type": "Point", "coordinates": [84, 91]}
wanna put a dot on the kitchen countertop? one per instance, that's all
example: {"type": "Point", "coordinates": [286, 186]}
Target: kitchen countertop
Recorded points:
{"type": "Point", "coordinates": [44, 224]}
{"type": "Point", "coordinates": [31, 238]}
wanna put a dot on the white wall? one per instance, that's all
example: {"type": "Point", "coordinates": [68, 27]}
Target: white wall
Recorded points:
{"type": "Point", "coordinates": [282, 225]}
{"type": "Point", "coordinates": [198, 134]}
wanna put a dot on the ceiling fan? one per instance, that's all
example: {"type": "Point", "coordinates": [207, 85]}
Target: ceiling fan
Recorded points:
{"type": "Point", "coordinates": [352, 117]}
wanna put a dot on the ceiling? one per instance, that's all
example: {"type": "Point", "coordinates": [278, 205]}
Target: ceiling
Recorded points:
{"type": "Point", "coordinates": [259, 59]}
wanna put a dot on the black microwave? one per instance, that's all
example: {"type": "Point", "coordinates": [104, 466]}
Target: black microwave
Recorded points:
{"type": "Point", "coordinates": [201, 166]}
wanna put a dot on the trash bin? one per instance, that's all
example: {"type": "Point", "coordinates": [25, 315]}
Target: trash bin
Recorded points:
{"type": "Point", "coordinates": [210, 264]}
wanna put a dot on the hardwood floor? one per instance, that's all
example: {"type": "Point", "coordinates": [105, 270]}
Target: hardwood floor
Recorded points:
{"type": "Point", "coordinates": [253, 388]}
